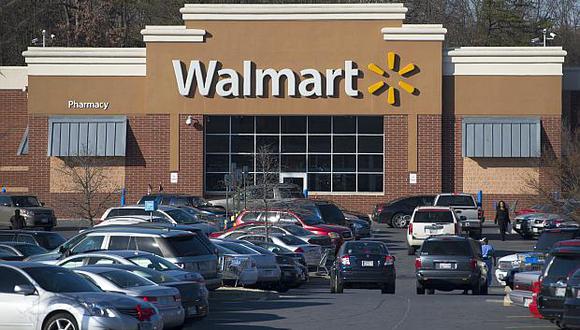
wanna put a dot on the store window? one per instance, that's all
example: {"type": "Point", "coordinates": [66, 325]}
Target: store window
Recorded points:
{"type": "Point", "coordinates": [337, 153]}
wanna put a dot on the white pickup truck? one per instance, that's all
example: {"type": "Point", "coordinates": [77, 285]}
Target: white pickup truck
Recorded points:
{"type": "Point", "coordinates": [469, 214]}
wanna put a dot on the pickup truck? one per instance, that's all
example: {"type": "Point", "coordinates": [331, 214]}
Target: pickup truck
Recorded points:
{"type": "Point", "coordinates": [469, 214]}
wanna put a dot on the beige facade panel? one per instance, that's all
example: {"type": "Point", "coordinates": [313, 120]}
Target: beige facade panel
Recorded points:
{"type": "Point", "coordinates": [113, 167]}
{"type": "Point", "coordinates": [13, 77]}
{"type": "Point", "coordinates": [500, 175]}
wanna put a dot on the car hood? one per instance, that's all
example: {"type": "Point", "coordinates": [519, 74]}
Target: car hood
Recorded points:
{"type": "Point", "coordinates": [46, 258]}
{"type": "Point", "coordinates": [116, 300]}
{"type": "Point", "coordinates": [205, 227]}
{"type": "Point", "coordinates": [509, 257]}
{"type": "Point", "coordinates": [152, 290]}
{"type": "Point", "coordinates": [329, 228]}
{"type": "Point", "coordinates": [178, 274]}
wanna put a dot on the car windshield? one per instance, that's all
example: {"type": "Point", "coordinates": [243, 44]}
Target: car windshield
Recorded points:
{"type": "Point", "coordinates": [290, 240]}
{"type": "Point", "coordinates": [28, 250]}
{"type": "Point", "coordinates": [433, 216]}
{"type": "Point", "coordinates": [50, 240]}
{"type": "Point", "coordinates": [198, 201]}
{"type": "Point", "coordinates": [224, 250]}
{"type": "Point", "coordinates": [153, 276]}
{"type": "Point", "coordinates": [125, 279]}
{"type": "Point", "coordinates": [181, 216]}
{"type": "Point", "coordinates": [298, 231]}
{"type": "Point", "coordinates": [309, 218]}
{"type": "Point", "coordinates": [25, 201]}
{"type": "Point", "coordinates": [365, 248]}
{"type": "Point", "coordinates": [60, 280]}
{"type": "Point", "coordinates": [562, 266]}
{"type": "Point", "coordinates": [272, 247]}
{"type": "Point", "coordinates": [446, 248]}
{"type": "Point", "coordinates": [237, 248]}
{"type": "Point", "coordinates": [259, 249]}
{"type": "Point", "coordinates": [331, 214]}
{"type": "Point", "coordinates": [548, 239]}
{"type": "Point", "coordinates": [455, 200]}
{"type": "Point", "coordinates": [153, 262]}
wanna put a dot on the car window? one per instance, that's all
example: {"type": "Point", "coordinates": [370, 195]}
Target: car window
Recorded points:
{"type": "Point", "coordinates": [28, 250]}
{"type": "Point", "coordinates": [255, 238]}
{"type": "Point", "coordinates": [7, 251]}
{"type": "Point", "coordinates": [250, 216]}
{"type": "Point", "coordinates": [365, 248]}
{"type": "Point", "coordinates": [90, 243]}
{"type": "Point", "coordinates": [180, 216]}
{"type": "Point", "coordinates": [154, 276]}
{"type": "Point", "coordinates": [185, 246]}
{"type": "Point", "coordinates": [446, 248]}
{"type": "Point", "coordinates": [124, 279]}
{"type": "Point", "coordinates": [5, 201]}
{"type": "Point", "coordinates": [269, 216]}
{"type": "Point", "coordinates": [298, 231]}
{"type": "Point", "coordinates": [456, 200]}
{"type": "Point", "coordinates": [288, 218]}
{"type": "Point", "coordinates": [74, 262]}
{"type": "Point", "coordinates": [548, 239]}
{"type": "Point", "coordinates": [123, 212]}
{"type": "Point", "coordinates": [26, 239]}
{"type": "Point", "coordinates": [50, 241]}
{"type": "Point", "coordinates": [273, 247]}
{"type": "Point", "coordinates": [427, 201]}
{"type": "Point", "coordinates": [10, 279]}
{"type": "Point", "coordinates": [60, 280]}
{"type": "Point", "coordinates": [101, 261]}
{"type": "Point", "coordinates": [121, 243]}
{"type": "Point", "coordinates": [561, 267]}
{"type": "Point", "coordinates": [147, 244]}
{"type": "Point", "coordinates": [331, 214]}
{"type": "Point", "coordinates": [290, 240]}
{"type": "Point", "coordinates": [444, 216]}
{"type": "Point", "coordinates": [7, 237]}
{"type": "Point", "coordinates": [25, 201]}
{"type": "Point", "coordinates": [238, 248]}
{"type": "Point", "coordinates": [153, 262]}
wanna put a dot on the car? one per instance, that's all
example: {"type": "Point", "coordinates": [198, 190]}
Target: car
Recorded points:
{"type": "Point", "coordinates": [450, 263]}
{"type": "Point", "coordinates": [523, 282]}
{"type": "Point", "coordinates": [523, 225]}
{"type": "Point", "coordinates": [237, 268]}
{"type": "Point", "coordinates": [167, 300]}
{"type": "Point", "coordinates": [510, 263]}
{"type": "Point", "coordinates": [312, 253]}
{"type": "Point", "coordinates": [538, 208]}
{"type": "Point", "coordinates": [132, 258]}
{"type": "Point", "coordinates": [35, 214]}
{"type": "Point", "coordinates": [268, 270]}
{"type": "Point", "coordinates": [38, 296]}
{"type": "Point", "coordinates": [47, 240]}
{"type": "Point", "coordinates": [428, 221]}
{"type": "Point", "coordinates": [194, 294]}
{"type": "Point", "coordinates": [571, 315]}
{"type": "Point", "coordinates": [289, 229]}
{"type": "Point", "coordinates": [541, 221]}
{"type": "Point", "coordinates": [363, 264]}
{"type": "Point", "coordinates": [564, 261]}
{"type": "Point", "coordinates": [210, 212]}
{"type": "Point", "coordinates": [469, 214]}
{"type": "Point", "coordinates": [187, 249]}
{"type": "Point", "coordinates": [397, 213]}
{"type": "Point", "coordinates": [253, 196]}
{"type": "Point", "coordinates": [303, 218]}
{"type": "Point", "coordinates": [132, 220]}
{"type": "Point", "coordinates": [175, 215]}
{"type": "Point", "coordinates": [23, 250]}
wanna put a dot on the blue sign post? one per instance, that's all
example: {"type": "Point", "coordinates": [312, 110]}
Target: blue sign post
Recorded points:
{"type": "Point", "coordinates": [123, 196]}
{"type": "Point", "coordinates": [480, 198]}
{"type": "Point", "coordinates": [150, 206]}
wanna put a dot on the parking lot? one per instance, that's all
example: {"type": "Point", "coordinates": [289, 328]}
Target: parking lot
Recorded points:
{"type": "Point", "coordinates": [312, 306]}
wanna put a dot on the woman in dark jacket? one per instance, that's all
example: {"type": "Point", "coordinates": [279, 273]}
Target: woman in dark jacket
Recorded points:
{"type": "Point", "coordinates": [502, 217]}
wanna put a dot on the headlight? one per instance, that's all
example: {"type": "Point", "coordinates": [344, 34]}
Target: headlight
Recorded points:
{"type": "Point", "coordinates": [99, 310]}
{"type": "Point", "coordinates": [516, 263]}
{"type": "Point", "coordinates": [26, 213]}
{"type": "Point", "coordinates": [357, 225]}
{"type": "Point", "coordinates": [333, 235]}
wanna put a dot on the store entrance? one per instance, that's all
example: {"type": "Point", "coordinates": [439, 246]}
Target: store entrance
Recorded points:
{"type": "Point", "coordinates": [298, 179]}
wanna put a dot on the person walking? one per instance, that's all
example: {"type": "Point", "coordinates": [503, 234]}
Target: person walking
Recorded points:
{"type": "Point", "coordinates": [17, 221]}
{"type": "Point", "coordinates": [488, 256]}
{"type": "Point", "coordinates": [502, 218]}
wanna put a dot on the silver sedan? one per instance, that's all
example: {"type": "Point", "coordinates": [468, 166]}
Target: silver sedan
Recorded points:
{"type": "Point", "coordinates": [38, 296]}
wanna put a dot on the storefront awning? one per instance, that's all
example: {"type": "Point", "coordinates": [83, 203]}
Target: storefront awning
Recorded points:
{"type": "Point", "coordinates": [501, 137]}
{"type": "Point", "coordinates": [87, 136]}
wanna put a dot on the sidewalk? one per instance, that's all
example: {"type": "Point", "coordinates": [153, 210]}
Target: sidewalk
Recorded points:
{"type": "Point", "coordinates": [71, 224]}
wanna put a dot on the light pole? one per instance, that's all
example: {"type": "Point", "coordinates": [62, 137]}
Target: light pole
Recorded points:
{"type": "Point", "coordinates": [35, 40]}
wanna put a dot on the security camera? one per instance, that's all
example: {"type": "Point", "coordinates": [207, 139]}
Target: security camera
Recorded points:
{"type": "Point", "coordinates": [189, 121]}
{"type": "Point", "coordinates": [552, 34]}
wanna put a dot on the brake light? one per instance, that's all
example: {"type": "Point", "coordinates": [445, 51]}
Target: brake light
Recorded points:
{"type": "Point", "coordinates": [389, 260]}
{"type": "Point", "coordinates": [299, 250]}
{"type": "Point", "coordinates": [417, 263]}
{"type": "Point", "coordinates": [345, 260]}
{"type": "Point", "coordinates": [479, 213]}
{"type": "Point", "coordinates": [149, 299]}
{"type": "Point", "coordinates": [411, 228]}
{"type": "Point", "coordinates": [144, 313]}
{"type": "Point", "coordinates": [177, 298]}
{"type": "Point", "coordinates": [472, 264]}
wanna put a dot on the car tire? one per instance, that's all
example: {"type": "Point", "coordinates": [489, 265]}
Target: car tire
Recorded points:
{"type": "Point", "coordinates": [388, 288]}
{"type": "Point", "coordinates": [430, 291]}
{"type": "Point", "coordinates": [420, 288]}
{"type": "Point", "coordinates": [411, 250]}
{"type": "Point", "coordinates": [332, 285]}
{"type": "Point", "coordinates": [399, 221]}
{"type": "Point", "coordinates": [339, 287]}
{"type": "Point", "coordinates": [484, 290]}
{"type": "Point", "coordinates": [60, 321]}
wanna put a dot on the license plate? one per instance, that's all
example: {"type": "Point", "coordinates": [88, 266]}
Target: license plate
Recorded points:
{"type": "Point", "coordinates": [145, 326]}
{"type": "Point", "coordinates": [368, 263]}
{"type": "Point", "coordinates": [192, 311]}
{"type": "Point", "coordinates": [433, 231]}
{"type": "Point", "coordinates": [445, 265]}
{"type": "Point", "coordinates": [518, 226]}
{"type": "Point", "coordinates": [44, 220]}
{"type": "Point", "coordinates": [527, 302]}
{"type": "Point", "coordinates": [560, 292]}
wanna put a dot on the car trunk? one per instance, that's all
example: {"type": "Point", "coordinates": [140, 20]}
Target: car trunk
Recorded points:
{"type": "Point", "coordinates": [165, 296]}
{"type": "Point", "coordinates": [423, 230]}
{"type": "Point", "coordinates": [367, 263]}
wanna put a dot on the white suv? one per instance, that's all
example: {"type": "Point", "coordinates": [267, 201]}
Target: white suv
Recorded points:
{"type": "Point", "coordinates": [428, 221]}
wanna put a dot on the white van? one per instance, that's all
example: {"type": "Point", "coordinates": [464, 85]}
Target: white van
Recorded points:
{"type": "Point", "coordinates": [430, 221]}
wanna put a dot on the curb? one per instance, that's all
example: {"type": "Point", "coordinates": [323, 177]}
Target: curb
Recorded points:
{"type": "Point", "coordinates": [241, 294]}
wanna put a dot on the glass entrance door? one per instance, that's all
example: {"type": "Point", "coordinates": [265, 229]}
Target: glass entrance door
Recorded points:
{"type": "Point", "coordinates": [298, 179]}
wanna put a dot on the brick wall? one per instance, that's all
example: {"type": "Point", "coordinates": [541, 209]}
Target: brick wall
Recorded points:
{"type": "Point", "coordinates": [13, 168]}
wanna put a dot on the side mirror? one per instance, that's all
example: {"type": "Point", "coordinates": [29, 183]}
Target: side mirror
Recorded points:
{"type": "Point", "coordinates": [24, 289]}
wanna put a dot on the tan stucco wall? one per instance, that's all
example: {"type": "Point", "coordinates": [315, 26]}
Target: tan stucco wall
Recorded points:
{"type": "Point", "coordinates": [113, 167]}
{"type": "Point", "coordinates": [499, 175]}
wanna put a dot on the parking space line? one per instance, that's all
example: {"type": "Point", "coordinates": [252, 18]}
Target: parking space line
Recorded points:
{"type": "Point", "coordinates": [531, 326]}
{"type": "Point", "coordinates": [499, 301]}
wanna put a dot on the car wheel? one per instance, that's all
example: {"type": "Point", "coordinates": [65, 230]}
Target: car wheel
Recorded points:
{"type": "Point", "coordinates": [61, 321]}
{"type": "Point", "coordinates": [420, 288]}
{"type": "Point", "coordinates": [332, 285]}
{"type": "Point", "coordinates": [430, 291]}
{"type": "Point", "coordinates": [388, 288]}
{"type": "Point", "coordinates": [400, 220]}
{"type": "Point", "coordinates": [339, 287]}
{"type": "Point", "coordinates": [410, 250]}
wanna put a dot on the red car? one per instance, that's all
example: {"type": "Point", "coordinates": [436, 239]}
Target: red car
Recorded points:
{"type": "Point", "coordinates": [536, 209]}
{"type": "Point", "coordinates": [304, 219]}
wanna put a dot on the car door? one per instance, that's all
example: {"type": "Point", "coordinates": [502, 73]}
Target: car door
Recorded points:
{"type": "Point", "coordinates": [19, 312]}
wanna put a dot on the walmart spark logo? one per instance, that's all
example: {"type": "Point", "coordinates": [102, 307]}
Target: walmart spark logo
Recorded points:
{"type": "Point", "coordinates": [393, 65]}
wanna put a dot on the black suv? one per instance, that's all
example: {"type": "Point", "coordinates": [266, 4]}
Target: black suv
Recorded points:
{"type": "Point", "coordinates": [564, 261]}
{"type": "Point", "coordinates": [47, 240]}
{"type": "Point", "coordinates": [449, 263]}
{"type": "Point", "coordinates": [397, 213]}
{"type": "Point", "coordinates": [571, 317]}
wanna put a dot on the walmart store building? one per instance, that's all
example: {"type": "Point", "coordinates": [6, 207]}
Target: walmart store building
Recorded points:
{"type": "Point", "coordinates": [354, 104]}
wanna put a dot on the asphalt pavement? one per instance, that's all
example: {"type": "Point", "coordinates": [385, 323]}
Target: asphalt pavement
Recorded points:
{"type": "Point", "coordinates": [313, 306]}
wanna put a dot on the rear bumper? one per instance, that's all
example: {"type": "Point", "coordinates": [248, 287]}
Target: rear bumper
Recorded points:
{"type": "Point", "coordinates": [435, 279]}
{"type": "Point", "coordinates": [379, 277]}
{"type": "Point", "coordinates": [521, 298]}
{"type": "Point", "coordinates": [40, 221]}
{"type": "Point", "coordinates": [172, 317]}
{"type": "Point", "coordinates": [121, 323]}
{"type": "Point", "coordinates": [197, 308]}
{"type": "Point", "coordinates": [269, 275]}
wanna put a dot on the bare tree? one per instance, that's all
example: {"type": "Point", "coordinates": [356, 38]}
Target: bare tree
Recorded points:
{"type": "Point", "coordinates": [560, 177]}
{"type": "Point", "coordinates": [268, 177]}
{"type": "Point", "coordinates": [91, 188]}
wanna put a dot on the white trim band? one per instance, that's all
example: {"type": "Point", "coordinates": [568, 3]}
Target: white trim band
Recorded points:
{"type": "Point", "coordinates": [415, 32]}
{"type": "Point", "coordinates": [506, 61]}
{"type": "Point", "coordinates": [259, 12]}
{"type": "Point", "coordinates": [172, 33]}
{"type": "Point", "coordinates": [13, 77]}
{"type": "Point", "coordinates": [61, 61]}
